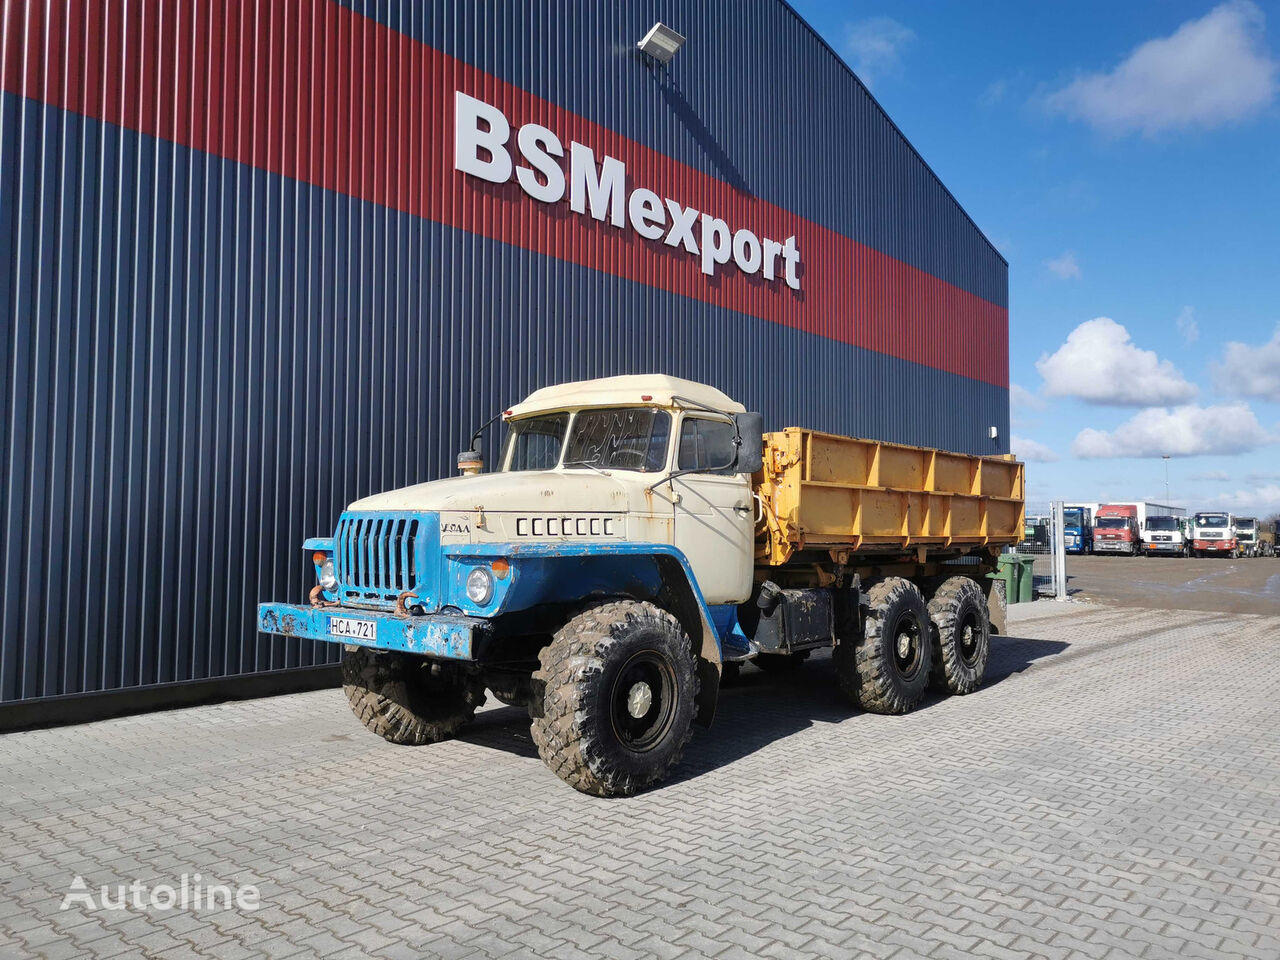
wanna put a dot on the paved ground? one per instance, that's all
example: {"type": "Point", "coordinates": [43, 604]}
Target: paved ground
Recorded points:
{"type": "Point", "coordinates": [1209, 585]}
{"type": "Point", "coordinates": [1113, 791]}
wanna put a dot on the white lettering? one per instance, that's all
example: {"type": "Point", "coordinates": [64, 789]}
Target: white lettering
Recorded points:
{"type": "Point", "coordinates": [716, 243]}
{"type": "Point", "coordinates": [481, 148]}
{"type": "Point", "coordinates": [470, 139]}
{"type": "Point", "coordinates": [79, 893]}
{"type": "Point", "coordinates": [746, 251]}
{"type": "Point", "coordinates": [646, 213]}
{"type": "Point", "coordinates": [604, 189]}
{"type": "Point", "coordinates": [682, 220]}
{"type": "Point", "coordinates": [538, 146]}
{"type": "Point", "coordinates": [792, 256]}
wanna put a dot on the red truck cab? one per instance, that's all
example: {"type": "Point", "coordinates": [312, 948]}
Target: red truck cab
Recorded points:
{"type": "Point", "coordinates": [1115, 530]}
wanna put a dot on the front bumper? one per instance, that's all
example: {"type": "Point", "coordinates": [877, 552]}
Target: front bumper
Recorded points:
{"type": "Point", "coordinates": [450, 637]}
{"type": "Point", "coordinates": [1112, 546]}
{"type": "Point", "coordinates": [1162, 547]}
{"type": "Point", "coordinates": [1215, 546]}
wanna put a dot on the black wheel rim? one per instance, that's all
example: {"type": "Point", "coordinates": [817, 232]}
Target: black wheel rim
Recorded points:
{"type": "Point", "coordinates": [908, 650]}
{"type": "Point", "coordinates": [642, 701]}
{"type": "Point", "coordinates": [968, 635]}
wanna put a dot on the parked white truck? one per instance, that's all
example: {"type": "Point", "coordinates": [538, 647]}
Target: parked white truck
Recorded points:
{"type": "Point", "coordinates": [1214, 532]}
{"type": "Point", "coordinates": [1165, 536]}
{"type": "Point", "coordinates": [641, 540]}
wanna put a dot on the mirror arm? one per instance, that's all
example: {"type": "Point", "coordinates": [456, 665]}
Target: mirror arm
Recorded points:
{"type": "Point", "coordinates": [475, 437]}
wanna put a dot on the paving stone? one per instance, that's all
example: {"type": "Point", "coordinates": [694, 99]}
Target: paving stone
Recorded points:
{"type": "Point", "coordinates": [1113, 790]}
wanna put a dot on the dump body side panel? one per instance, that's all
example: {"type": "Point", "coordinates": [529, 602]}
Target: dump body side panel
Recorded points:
{"type": "Point", "coordinates": [871, 499]}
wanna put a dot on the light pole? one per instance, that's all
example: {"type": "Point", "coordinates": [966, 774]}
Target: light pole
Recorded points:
{"type": "Point", "coordinates": [1165, 458]}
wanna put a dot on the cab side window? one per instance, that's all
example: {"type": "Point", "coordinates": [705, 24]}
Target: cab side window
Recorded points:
{"type": "Point", "coordinates": [706, 445]}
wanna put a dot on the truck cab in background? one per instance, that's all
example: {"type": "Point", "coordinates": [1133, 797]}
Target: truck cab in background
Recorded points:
{"type": "Point", "coordinates": [1247, 536]}
{"type": "Point", "coordinates": [1214, 533]}
{"type": "Point", "coordinates": [1078, 532]}
{"type": "Point", "coordinates": [1116, 530]}
{"type": "Point", "coordinates": [1165, 536]}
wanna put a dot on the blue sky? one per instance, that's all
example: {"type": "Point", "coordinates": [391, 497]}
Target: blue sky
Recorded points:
{"type": "Point", "coordinates": [1125, 159]}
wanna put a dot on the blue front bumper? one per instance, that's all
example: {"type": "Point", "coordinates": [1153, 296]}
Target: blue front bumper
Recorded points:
{"type": "Point", "coordinates": [437, 635]}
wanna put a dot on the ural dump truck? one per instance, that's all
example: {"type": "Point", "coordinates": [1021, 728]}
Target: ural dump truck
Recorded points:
{"type": "Point", "coordinates": [640, 540]}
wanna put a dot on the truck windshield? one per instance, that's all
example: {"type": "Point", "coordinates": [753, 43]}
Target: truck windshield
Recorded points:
{"type": "Point", "coordinates": [1162, 523]}
{"type": "Point", "coordinates": [1112, 523]}
{"type": "Point", "coordinates": [1245, 525]}
{"type": "Point", "coordinates": [1072, 518]}
{"type": "Point", "coordinates": [625, 438]}
{"type": "Point", "coordinates": [534, 443]}
{"type": "Point", "coordinates": [1211, 520]}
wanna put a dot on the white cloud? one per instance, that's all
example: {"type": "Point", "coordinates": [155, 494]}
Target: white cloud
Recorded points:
{"type": "Point", "coordinates": [1187, 326]}
{"type": "Point", "coordinates": [875, 47]}
{"type": "Point", "coordinates": [1030, 450]}
{"type": "Point", "coordinates": [1064, 266]}
{"type": "Point", "coordinates": [993, 94]}
{"type": "Point", "coordinates": [1186, 431]}
{"type": "Point", "coordinates": [1259, 501]}
{"type": "Point", "coordinates": [1022, 399]}
{"type": "Point", "coordinates": [1099, 363]}
{"type": "Point", "coordinates": [1250, 371]}
{"type": "Point", "coordinates": [1208, 72]}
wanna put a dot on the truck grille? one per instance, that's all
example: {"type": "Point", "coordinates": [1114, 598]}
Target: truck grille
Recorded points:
{"type": "Point", "coordinates": [375, 556]}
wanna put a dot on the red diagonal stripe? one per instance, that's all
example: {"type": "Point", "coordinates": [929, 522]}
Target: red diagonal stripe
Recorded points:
{"type": "Point", "coordinates": [310, 90]}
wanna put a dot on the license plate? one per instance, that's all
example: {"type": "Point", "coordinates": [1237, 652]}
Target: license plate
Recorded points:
{"type": "Point", "coordinates": [352, 629]}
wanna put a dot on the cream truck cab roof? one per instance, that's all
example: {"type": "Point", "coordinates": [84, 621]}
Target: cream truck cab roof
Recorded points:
{"type": "Point", "coordinates": [655, 388]}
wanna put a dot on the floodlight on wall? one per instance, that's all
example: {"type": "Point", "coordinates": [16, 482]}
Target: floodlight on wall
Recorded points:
{"type": "Point", "coordinates": [662, 43]}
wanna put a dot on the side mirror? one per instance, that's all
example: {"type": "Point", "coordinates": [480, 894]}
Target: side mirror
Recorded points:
{"type": "Point", "coordinates": [750, 430]}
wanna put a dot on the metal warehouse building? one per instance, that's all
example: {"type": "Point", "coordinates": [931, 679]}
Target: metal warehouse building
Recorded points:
{"type": "Point", "coordinates": [260, 259]}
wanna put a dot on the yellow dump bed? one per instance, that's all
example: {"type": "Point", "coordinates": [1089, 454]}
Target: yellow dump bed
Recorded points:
{"type": "Point", "coordinates": [825, 492]}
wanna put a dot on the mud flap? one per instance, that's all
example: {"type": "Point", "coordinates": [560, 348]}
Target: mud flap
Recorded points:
{"type": "Point", "coordinates": [997, 606]}
{"type": "Point", "coordinates": [708, 691]}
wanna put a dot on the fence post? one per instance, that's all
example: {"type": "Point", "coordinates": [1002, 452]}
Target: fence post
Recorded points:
{"type": "Point", "coordinates": [1058, 543]}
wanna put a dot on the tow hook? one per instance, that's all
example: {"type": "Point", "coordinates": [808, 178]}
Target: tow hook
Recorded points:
{"type": "Point", "coordinates": [317, 600]}
{"type": "Point", "coordinates": [400, 609]}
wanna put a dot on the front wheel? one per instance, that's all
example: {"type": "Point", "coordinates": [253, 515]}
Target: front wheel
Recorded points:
{"type": "Point", "coordinates": [619, 684]}
{"type": "Point", "coordinates": [887, 669]}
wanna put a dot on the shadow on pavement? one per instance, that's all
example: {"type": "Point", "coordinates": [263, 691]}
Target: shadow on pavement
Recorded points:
{"type": "Point", "coordinates": [762, 708]}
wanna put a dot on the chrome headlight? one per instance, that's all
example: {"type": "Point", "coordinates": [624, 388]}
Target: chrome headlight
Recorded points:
{"type": "Point", "coordinates": [479, 586]}
{"type": "Point", "coordinates": [327, 576]}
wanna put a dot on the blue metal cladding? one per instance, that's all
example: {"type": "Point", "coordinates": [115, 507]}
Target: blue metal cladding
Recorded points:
{"type": "Point", "coordinates": [203, 362]}
{"type": "Point", "coordinates": [786, 120]}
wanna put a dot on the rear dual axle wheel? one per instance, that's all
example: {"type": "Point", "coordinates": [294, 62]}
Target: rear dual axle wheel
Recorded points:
{"type": "Point", "coordinates": [907, 645]}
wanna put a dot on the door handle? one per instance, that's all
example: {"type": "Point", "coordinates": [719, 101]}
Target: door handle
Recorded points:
{"type": "Point", "coordinates": [742, 507]}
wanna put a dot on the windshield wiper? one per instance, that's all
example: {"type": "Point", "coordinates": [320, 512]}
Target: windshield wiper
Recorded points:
{"type": "Point", "coordinates": [587, 463]}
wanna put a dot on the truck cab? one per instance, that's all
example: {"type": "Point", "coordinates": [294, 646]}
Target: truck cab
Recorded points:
{"type": "Point", "coordinates": [1116, 530]}
{"type": "Point", "coordinates": [1247, 536]}
{"type": "Point", "coordinates": [1164, 536]}
{"type": "Point", "coordinates": [1078, 530]}
{"type": "Point", "coordinates": [1214, 534]}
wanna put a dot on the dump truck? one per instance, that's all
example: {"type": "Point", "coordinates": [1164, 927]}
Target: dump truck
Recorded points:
{"type": "Point", "coordinates": [641, 540]}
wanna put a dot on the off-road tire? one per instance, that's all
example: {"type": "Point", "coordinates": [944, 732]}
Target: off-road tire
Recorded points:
{"type": "Point", "coordinates": [583, 728]}
{"type": "Point", "coordinates": [780, 662]}
{"type": "Point", "coordinates": [868, 669]}
{"type": "Point", "coordinates": [961, 636]}
{"type": "Point", "coordinates": [407, 699]}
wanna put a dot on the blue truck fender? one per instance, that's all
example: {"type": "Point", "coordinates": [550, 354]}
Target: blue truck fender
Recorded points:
{"type": "Point", "coordinates": [564, 572]}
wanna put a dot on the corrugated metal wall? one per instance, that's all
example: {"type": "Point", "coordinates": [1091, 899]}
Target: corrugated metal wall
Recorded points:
{"type": "Point", "coordinates": [228, 310]}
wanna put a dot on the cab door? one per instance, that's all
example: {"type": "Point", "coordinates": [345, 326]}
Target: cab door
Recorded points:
{"type": "Point", "coordinates": [714, 509]}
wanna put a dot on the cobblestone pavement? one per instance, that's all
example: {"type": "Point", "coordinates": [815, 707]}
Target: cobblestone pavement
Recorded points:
{"type": "Point", "coordinates": [1114, 790]}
